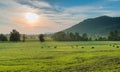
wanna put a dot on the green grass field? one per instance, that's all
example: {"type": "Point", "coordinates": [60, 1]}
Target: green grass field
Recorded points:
{"type": "Point", "coordinates": [60, 57]}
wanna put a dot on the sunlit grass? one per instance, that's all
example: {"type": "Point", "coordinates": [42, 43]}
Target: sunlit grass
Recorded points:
{"type": "Point", "coordinates": [60, 56]}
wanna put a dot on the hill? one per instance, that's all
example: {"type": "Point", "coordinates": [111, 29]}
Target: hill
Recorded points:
{"type": "Point", "coordinates": [96, 26]}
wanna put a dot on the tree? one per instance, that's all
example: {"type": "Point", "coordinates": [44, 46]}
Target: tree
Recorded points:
{"type": "Point", "coordinates": [77, 36]}
{"type": "Point", "coordinates": [72, 36]}
{"type": "Point", "coordinates": [114, 36]}
{"type": "Point", "coordinates": [101, 39]}
{"type": "Point", "coordinates": [14, 35]}
{"type": "Point", "coordinates": [59, 36]}
{"type": "Point", "coordinates": [3, 37]}
{"type": "Point", "coordinates": [67, 37]}
{"type": "Point", "coordinates": [84, 37]}
{"type": "Point", "coordinates": [89, 39]}
{"type": "Point", "coordinates": [24, 37]}
{"type": "Point", "coordinates": [41, 38]}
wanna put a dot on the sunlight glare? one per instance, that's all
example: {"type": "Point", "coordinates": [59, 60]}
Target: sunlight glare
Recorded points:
{"type": "Point", "coordinates": [31, 17]}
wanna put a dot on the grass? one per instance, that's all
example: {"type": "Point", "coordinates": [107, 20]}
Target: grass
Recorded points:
{"type": "Point", "coordinates": [93, 56]}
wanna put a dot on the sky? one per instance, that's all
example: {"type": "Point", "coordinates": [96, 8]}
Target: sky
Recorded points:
{"type": "Point", "coordinates": [53, 15]}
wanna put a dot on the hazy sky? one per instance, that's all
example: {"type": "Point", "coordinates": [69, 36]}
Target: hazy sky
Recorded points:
{"type": "Point", "coordinates": [53, 15]}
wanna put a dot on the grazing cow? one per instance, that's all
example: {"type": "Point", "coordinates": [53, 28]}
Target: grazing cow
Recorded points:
{"type": "Point", "coordinates": [113, 45]}
{"type": "Point", "coordinates": [55, 46]}
{"type": "Point", "coordinates": [82, 47]}
{"type": "Point", "coordinates": [117, 46]}
{"type": "Point", "coordinates": [92, 47]}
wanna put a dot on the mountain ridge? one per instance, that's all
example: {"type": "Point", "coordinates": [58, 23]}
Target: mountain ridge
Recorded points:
{"type": "Point", "coordinates": [100, 25]}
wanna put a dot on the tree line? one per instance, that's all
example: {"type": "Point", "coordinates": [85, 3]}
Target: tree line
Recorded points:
{"type": "Point", "coordinates": [69, 36]}
{"type": "Point", "coordinates": [15, 36]}
{"type": "Point", "coordinates": [62, 36]}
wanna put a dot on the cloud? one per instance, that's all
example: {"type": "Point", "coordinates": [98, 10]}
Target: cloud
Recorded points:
{"type": "Point", "coordinates": [53, 18]}
{"type": "Point", "coordinates": [56, 14]}
{"type": "Point", "coordinates": [35, 3]}
{"type": "Point", "coordinates": [40, 4]}
{"type": "Point", "coordinates": [62, 15]}
{"type": "Point", "coordinates": [12, 17]}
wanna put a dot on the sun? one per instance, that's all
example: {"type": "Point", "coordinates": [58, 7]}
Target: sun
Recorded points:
{"type": "Point", "coordinates": [31, 17]}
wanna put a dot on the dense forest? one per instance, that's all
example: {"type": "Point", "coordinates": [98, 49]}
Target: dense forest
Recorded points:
{"type": "Point", "coordinates": [62, 36]}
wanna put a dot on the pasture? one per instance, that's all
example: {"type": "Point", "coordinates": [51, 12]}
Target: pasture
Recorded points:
{"type": "Point", "coordinates": [91, 56]}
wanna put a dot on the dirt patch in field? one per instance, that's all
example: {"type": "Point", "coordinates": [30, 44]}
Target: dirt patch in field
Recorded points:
{"type": "Point", "coordinates": [114, 60]}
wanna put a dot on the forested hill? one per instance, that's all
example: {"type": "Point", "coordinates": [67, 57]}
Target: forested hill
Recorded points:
{"type": "Point", "coordinates": [100, 25]}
